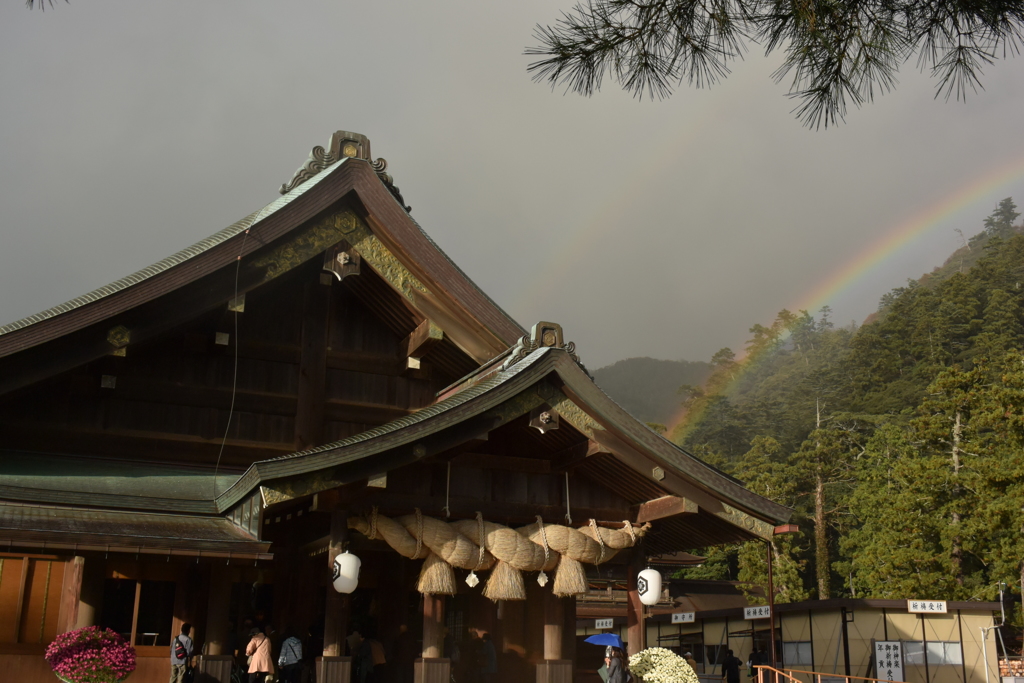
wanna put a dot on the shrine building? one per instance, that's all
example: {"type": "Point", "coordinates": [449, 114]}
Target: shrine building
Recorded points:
{"type": "Point", "coordinates": [206, 440]}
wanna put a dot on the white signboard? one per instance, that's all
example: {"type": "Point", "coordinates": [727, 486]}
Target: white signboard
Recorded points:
{"type": "Point", "coordinates": [683, 617]}
{"type": "Point", "coordinates": [889, 660]}
{"type": "Point", "coordinates": [926, 606]}
{"type": "Point", "coordinates": [761, 612]}
{"type": "Point", "coordinates": [604, 623]}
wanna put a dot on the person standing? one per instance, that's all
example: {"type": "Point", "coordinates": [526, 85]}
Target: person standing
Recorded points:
{"type": "Point", "coordinates": [488, 659]}
{"type": "Point", "coordinates": [181, 654]}
{"type": "Point", "coordinates": [290, 659]}
{"type": "Point", "coordinates": [260, 661]}
{"type": "Point", "coordinates": [691, 661]}
{"type": "Point", "coordinates": [618, 667]}
{"type": "Point", "coordinates": [731, 667]}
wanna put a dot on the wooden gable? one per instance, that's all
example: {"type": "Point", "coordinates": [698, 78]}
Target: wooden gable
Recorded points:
{"type": "Point", "coordinates": [324, 314]}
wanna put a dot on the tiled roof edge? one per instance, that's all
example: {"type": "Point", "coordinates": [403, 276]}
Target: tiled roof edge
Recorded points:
{"type": "Point", "coordinates": [173, 260]}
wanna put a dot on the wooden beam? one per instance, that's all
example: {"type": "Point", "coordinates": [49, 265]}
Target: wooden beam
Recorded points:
{"type": "Point", "coordinates": [419, 341]}
{"type": "Point", "coordinates": [502, 462]}
{"type": "Point", "coordinates": [289, 486]}
{"type": "Point", "coordinates": [674, 481]}
{"type": "Point", "coordinates": [246, 400]}
{"type": "Point", "coordinates": [354, 361]}
{"type": "Point", "coordinates": [666, 506]}
{"type": "Point", "coordinates": [309, 415]}
{"type": "Point", "coordinates": [465, 507]}
{"type": "Point", "coordinates": [573, 456]}
{"type": "Point", "coordinates": [129, 443]}
{"type": "Point", "coordinates": [787, 529]}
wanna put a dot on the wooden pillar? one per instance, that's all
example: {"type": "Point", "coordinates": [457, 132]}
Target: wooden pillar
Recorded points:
{"type": "Point", "coordinates": [70, 595]}
{"type": "Point", "coordinates": [432, 667]}
{"type": "Point", "coordinates": [309, 416]}
{"type": "Point", "coordinates": [336, 615]}
{"type": "Point", "coordinates": [90, 599]}
{"type": "Point", "coordinates": [433, 623]}
{"type": "Point", "coordinates": [334, 667]}
{"type": "Point", "coordinates": [552, 626]}
{"type": "Point", "coordinates": [218, 610]}
{"type": "Point", "coordinates": [637, 629]}
{"type": "Point", "coordinates": [554, 669]}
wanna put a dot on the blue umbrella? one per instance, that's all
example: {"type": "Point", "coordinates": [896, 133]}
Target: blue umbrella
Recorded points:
{"type": "Point", "coordinates": [605, 639]}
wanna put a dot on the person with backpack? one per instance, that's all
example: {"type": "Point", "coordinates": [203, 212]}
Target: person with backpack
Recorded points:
{"type": "Point", "coordinates": [181, 655]}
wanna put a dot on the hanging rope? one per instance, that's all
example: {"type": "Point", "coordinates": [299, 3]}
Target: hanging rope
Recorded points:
{"type": "Point", "coordinates": [447, 491]}
{"type": "Point", "coordinates": [628, 526]}
{"type": "Point", "coordinates": [475, 545]}
{"type": "Point", "coordinates": [568, 511]}
{"type": "Point", "coordinates": [483, 538]}
{"type": "Point", "coordinates": [542, 578]}
{"type": "Point", "coordinates": [419, 532]}
{"type": "Point", "coordinates": [472, 580]}
{"type": "Point", "coordinates": [599, 538]}
{"type": "Point", "coordinates": [373, 524]}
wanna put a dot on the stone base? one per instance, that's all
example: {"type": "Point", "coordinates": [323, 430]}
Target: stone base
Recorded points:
{"type": "Point", "coordinates": [214, 668]}
{"type": "Point", "coordinates": [333, 669]}
{"type": "Point", "coordinates": [432, 671]}
{"type": "Point", "coordinates": [554, 671]}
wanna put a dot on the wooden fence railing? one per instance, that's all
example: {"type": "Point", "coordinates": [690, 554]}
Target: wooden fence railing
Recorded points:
{"type": "Point", "coordinates": [768, 674]}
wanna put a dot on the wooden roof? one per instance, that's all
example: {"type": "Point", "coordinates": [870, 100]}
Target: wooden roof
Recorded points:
{"type": "Point", "coordinates": [30, 526]}
{"type": "Point", "coordinates": [635, 461]}
{"type": "Point", "coordinates": [413, 288]}
{"type": "Point", "coordinates": [66, 336]}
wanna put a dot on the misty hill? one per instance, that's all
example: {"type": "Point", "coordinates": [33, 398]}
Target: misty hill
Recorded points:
{"type": "Point", "coordinates": [647, 387]}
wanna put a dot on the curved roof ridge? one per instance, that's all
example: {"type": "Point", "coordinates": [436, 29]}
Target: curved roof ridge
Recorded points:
{"type": "Point", "coordinates": [461, 272]}
{"type": "Point", "coordinates": [175, 259]}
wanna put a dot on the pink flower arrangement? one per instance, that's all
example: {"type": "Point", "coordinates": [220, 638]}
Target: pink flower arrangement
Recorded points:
{"type": "Point", "coordinates": [91, 655]}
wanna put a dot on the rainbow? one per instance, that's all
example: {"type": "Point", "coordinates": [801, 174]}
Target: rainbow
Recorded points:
{"type": "Point", "coordinates": [874, 255]}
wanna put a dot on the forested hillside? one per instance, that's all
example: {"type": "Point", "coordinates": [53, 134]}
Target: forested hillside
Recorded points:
{"type": "Point", "coordinates": [899, 444]}
{"type": "Point", "coordinates": [649, 388]}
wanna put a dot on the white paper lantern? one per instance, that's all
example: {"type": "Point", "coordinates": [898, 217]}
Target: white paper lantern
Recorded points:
{"type": "Point", "coordinates": [346, 572]}
{"type": "Point", "coordinates": [648, 586]}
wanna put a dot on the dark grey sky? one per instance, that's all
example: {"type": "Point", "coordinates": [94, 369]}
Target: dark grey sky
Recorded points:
{"type": "Point", "coordinates": [130, 130]}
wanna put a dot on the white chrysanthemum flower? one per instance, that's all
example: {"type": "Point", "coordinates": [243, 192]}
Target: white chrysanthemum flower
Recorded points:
{"type": "Point", "coordinates": [658, 665]}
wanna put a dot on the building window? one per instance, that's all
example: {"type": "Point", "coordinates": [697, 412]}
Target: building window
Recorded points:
{"type": "Point", "coordinates": [716, 654]}
{"type": "Point", "coordinates": [797, 654]}
{"type": "Point", "coordinates": [141, 611]}
{"type": "Point", "coordinates": [939, 652]}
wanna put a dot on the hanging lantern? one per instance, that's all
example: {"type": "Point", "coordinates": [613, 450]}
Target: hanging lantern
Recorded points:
{"type": "Point", "coordinates": [648, 586]}
{"type": "Point", "coordinates": [346, 572]}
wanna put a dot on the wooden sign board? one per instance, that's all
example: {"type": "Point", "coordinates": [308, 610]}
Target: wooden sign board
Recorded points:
{"type": "Point", "coordinates": [604, 623]}
{"type": "Point", "coordinates": [759, 612]}
{"type": "Point", "coordinates": [683, 617]}
{"type": "Point", "coordinates": [926, 606]}
{"type": "Point", "coordinates": [889, 660]}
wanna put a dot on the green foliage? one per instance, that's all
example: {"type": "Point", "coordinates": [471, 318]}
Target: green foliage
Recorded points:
{"type": "Point", "coordinates": [837, 53]}
{"type": "Point", "coordinates": [899, 445]}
